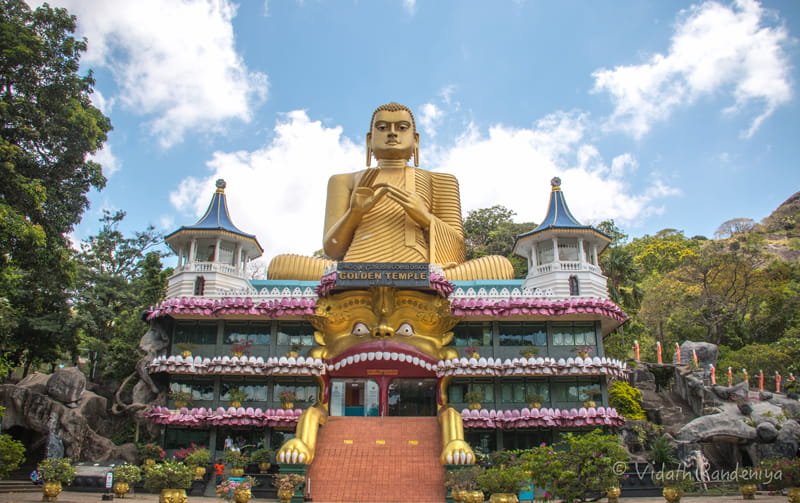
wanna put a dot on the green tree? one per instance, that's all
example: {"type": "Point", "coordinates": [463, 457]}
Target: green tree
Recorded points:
{"type": "Point", "coordinates": [491, 231]}
{"type": "Point", "coordinates": [49, 129]}
{"type": "Point", "coordinates": [116, 277]}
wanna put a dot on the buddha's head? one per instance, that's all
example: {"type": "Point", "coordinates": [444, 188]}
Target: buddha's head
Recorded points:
{"type": "Point", "coordinates": [393, 135]}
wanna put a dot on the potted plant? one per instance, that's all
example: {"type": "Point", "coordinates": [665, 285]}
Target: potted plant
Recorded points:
{"type": "Point", "coordinates": [534, 400]}
{"type": "Point", "coordinates": [294, 352]}
{"type": "Point", "coordinates": [474, 398]}
{"type": "Point", "coordinates": [237, 491]}
{"type": "Point", "coordinates": [287, 484]}
{"type": "Point", "coordinates": [578, 464]}
{"type": "Point", "coordinates": [472, 352]}
{"type": "Point", "coordinates": [241, 349]}
{"type": "Point", "coordinates": [150, 452]}
{"type": "Point", "coordinates": [236, 460]}
{"type": "Point", "coordinates": [236, 396]}
{"type": "Point", "coordinates": [594, 395]}
{"type": "Point", "coordinates": [674, 482]}
{"type": "Point", "coordinates": [125, 476]}
{"type": "Point", "coordinates": [502, 483]}
{"type": "Point", "coordinates": [463, 484]}
{"type": "Point", "coordinates": [181, 398]}
{"type": "Point", "coordinates": [748, 479]}
{"type": "Point", "coordinates": [287, 399]}
{"type": "Point", "coordinates": [185, 348]}
{"type": "Point", "coordinates": [198, 459]}
{"type": "Point", "coordinates": [263, 457]}
{"type": "Point", "coordinates": [54, 473]}
{"type": "Point", "coordinates": [529, 352]}
{"type": "Point", "coordinates": [171, 478]}
{"type": "Point", "coordinates": [583, 351]}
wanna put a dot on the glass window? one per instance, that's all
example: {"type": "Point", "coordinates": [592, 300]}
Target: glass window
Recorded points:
{"type": "Point", "coordinates": [292, 332]}
{"type": "Point", "coordinates": [244, 439]}
{"type": "Point", "coordinates": [254, 392]}
{"type": "Point", "coordinates": [520, 392]}
{"type": "Point", "coordinates": [576, 390]}
{"type": "Point", "coordinates": [568, 250]}
{"type": "Point", "coordinates": [522, 334]}
{"type": "Point", "coordinates": [239, 332]}
{"type": "Point", "coordinates": [306, 392]}
{"type": "Point", "coordinates": [577, 333]}
{"type": "Point", "coordinates": [200, 390]}
{"type": "Point", "coordinates": [226, 251]}
{"type": "Point", "coordinates": [457, 391]}
{"type": "Point", "coordinates": [544, 252]}
{"type": "Point", "coordinates": [473, 334]}
{"type": "Point", "coordinates": [178, 438]}
{"type": "Point", "coordinates": [195, 332]}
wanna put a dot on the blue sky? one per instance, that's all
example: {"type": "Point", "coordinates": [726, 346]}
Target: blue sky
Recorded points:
{"type": "Point", "coordinates": [657, 114]}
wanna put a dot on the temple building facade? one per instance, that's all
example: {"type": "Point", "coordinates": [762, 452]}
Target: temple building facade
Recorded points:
{"type": "Point", "coordinates": [521, 361]}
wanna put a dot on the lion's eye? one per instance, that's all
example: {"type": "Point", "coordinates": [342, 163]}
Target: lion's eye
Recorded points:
{"type": "Point", "coordinates": [360, 329]}
{"type": "Point", "coordinates": [405, 329]}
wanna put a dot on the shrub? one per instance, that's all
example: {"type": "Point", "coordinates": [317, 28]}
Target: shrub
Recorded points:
{"type": "Point", "coordinates": [151, 451]}
{"type": "Point", "coordinates": [500, 480]}
{"type": "Point", "coordinates": [228, 488]}
{"type": "Point", "coordinates": [627, 400]}
{"type": "Point", "coordinates": [784, 472]}
{"type": "Point", "coordinates": [465, 479]}
{"type": "Point", "coordinates": [662, 454]}
{"type": "Point", "coordinates": [12, 454]}
{"type": "Point", "coordinates": [263, 455]}
{"type": "Point", "coordinates": [199, 457]}
{"type": "Point", "coordinates": [288, 481]}
{"type": "Point", "coordinates": [578, 464]}
{"type": "Point", "coordinates": [170, 474]}
{"type": "Point", "coordinates": [129, 474]}
{"type": "Point", "coordinates": [57, 470]}
{"type": "Point", "coordinates": [235, 459]}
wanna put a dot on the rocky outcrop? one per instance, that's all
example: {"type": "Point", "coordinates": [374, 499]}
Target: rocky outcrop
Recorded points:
{"type": "Point", "coordinates": [66, 385]}
{"type": "Point", "coordinates": [707, 353]}
{"type": "Point", "coordinates": [72, 424]}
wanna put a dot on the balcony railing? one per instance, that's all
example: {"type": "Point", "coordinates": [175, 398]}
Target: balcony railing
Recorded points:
{"type": "Point", "coordinates": [567, 266]}
{"type": "Point", "coordinates": [211, 267]}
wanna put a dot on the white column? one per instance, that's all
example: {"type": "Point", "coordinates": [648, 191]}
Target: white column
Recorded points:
{"type": "Point", "coordinates": [581, 257]}
{"type": "Point", "coordinates": [192, 250]}
{"type": "Point", "coordinates": [556, 256]}
{"type": "Point", "coordinates": [533, 263]}
{"type": "Point", "coordinates": [594, 255]}
{"type": "Point", "coordinates": [216, 249]}
{"type": "Point", "coordinates": [237, 257]}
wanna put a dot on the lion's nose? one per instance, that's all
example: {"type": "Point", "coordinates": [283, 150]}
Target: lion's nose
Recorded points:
{"type": "Point", "coordinates": [383, 329]}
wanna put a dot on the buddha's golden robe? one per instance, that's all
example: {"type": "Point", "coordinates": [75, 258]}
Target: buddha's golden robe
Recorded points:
{"type": "Point", "coordinates": [388, 234]}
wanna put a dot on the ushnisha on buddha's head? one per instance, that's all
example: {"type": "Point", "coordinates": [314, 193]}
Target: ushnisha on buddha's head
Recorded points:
{"type": "Point", "coordinates": [393, 136]}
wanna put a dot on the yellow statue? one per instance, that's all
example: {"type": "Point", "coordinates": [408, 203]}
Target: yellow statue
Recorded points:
{"type": "Point", "coordinates": [356, 322]}
{"type": "Point", "coordinates": [393, 213]}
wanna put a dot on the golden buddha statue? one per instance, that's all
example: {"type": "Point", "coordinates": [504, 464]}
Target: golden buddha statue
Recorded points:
{"type": "Point", "coordinates": [394, 212]}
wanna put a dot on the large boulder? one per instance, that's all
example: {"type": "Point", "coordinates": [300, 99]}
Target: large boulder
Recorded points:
{"type": "Point", "coordinates": [739, 391]}
{"type": "Point", "coordinates": [707, 353]}
{"type": "Point", "coordinates": [67, 385]}
{"type": "Point", "coordinates": [35, 382]}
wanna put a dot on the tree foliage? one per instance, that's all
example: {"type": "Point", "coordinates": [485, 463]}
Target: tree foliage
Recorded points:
{"type": "Point", "coordinates": [49, 129]}
{"type": "Point", "coordinates": [491, 231]}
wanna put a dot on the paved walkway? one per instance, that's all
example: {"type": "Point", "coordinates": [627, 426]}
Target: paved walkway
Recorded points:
{"type": "Point", "coordinates": [81, 497]}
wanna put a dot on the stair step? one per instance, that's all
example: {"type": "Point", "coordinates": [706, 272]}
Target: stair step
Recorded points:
{"type": "Point", "coordinates": [378, 459]}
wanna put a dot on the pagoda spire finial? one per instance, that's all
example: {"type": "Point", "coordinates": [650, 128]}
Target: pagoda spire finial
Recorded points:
{"type": "Point", "coordinates": [220, 186]}
{"type": "Point", "coordinates": [555, 183]}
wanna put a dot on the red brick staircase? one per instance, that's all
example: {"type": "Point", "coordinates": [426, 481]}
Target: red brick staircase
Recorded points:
{"type": "Point", "coordinates": [378, 459]}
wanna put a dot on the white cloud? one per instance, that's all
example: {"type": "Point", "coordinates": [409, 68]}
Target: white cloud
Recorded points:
{"type": "Point", "coordinates": [106, 158]}
{"type": "Point", "coordinates": [715, 48]}
{"type": "Point", "coordinates": [174, 62]}
{"type": "Point", "coordinates": [513, 167]}
{"type": "Point", "coordinates": [429, 118]}
{"type": "Point", "coordinates": [410, 6]}
{"type": "Point", "coordinates": [278, 192]}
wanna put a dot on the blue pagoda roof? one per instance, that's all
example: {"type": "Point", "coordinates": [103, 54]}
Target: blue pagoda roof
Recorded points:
{"type": "Point", "coordinates": [217, 217]}
{"type": "Point", "coordinates": [558, 215]}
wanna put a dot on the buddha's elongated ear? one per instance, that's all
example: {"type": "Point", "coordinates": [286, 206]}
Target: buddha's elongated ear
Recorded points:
{"type": "Point", "coordinates": [369, 149]}
{"type": "Point", "coordinates": [416, 149]}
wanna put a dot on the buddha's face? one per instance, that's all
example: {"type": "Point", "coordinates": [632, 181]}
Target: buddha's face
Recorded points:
{"type": "Point", "coordinates": [392, 135]}
{"type": "Point", "coordinates": [380, 319]}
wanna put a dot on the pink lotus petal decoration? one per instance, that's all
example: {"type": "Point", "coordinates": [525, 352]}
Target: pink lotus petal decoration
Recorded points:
{"type": "Point", "coordinates": [514, 418]}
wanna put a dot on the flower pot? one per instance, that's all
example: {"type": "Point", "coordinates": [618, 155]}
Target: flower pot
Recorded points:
{"type": "Point", "coordinates": [50, 491]}
{"type": "Point", "coordinates": [179, 404]}
{"type": "Point", "coordinates": [589, 403]}
{"type": "Point", "coordinates": [472, 497]}
{"type": "Point", "coordinates": [149, 462]}
{"type": "Point", "coordinates": [292, 354]}
{"type": "Point", "coordinates": [288, 405]}
{"type": "Point", "coordinates": [121, 489]}
{"type": "Point", "coordinates": [503, 498]}
{"type": "Point", "coordinates": [535, 405]}
{"type": "Point", "coordinates": [186, 353]}
{"type": "Point", "coordinates": [748, 491]}
{"type": "Point", "coordinates": [285, 495]}
{"type": "Point", "coordinates": [794, 494]}
{"type": "Point", "coordinates": [474, 406]}
{"type": "Point", "coordinates": [242, 495]}
{"type": "Point", "coordinates": [199, 472]}
{"type": "Point", "coordinates": [263, 467]}
{"type": "Point", "coordinates": [236, 404]}
{"type": "Point", "coordinates": [672, 494]}
{"type": "Point", "coordinates": [475, 355]}
{"type": "Point", "coordinates": [172, 496]}
{"type": "Point", "coordinates": [612, 493]}
{"type": "Point", "coordinates": [583, 354]}
{"type": "Point", "coordinates": [237, 354]}
{"type": "Point", "coordinates": [237, 472]}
